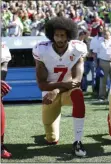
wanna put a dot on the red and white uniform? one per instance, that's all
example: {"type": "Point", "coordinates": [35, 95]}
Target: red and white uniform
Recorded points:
{"type": "Point", "coordinates": [59, 67]}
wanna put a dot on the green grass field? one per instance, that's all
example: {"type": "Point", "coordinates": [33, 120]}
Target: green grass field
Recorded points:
{"type": "Point", "coordinates": [25, 135]}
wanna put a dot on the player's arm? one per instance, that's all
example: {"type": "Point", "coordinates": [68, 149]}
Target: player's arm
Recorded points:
{"type": "Point", "coordinates": [42, 74]}
{"type": "Point", "coordinates": [44, 85]}
{"type": "Point", "coordinates": [77, 72]}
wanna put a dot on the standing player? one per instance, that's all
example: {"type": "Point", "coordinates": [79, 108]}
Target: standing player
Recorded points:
{"type": "Point", "coordinates": [5, 88]}
{"type": "Point", "coordinates": [109, 115]}
{"type": "Point", "coordinates": [59, 70]}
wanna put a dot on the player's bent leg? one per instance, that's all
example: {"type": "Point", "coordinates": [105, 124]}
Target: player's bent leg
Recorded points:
{"type": "Point", "coordinates": [78, 114]}
{"type": "Point", "coordinates": [52, 132]}
{"type": "Point", "coordinates": [51, 119]}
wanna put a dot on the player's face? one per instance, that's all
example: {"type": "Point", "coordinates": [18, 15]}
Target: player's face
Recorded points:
{"type": "Point", "coordinates": [60, 38]}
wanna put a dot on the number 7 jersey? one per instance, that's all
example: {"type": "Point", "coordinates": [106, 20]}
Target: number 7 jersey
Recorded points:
{"type": "Point", "coordinates": [59, 67]}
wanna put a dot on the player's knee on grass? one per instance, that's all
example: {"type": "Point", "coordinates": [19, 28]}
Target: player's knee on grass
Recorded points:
{"type": "Point", "coordinates": [78, 103]}
{"type": "Point", "coordinates": [52, 133]}
{"type": "Point", "coordinates": [51, 115]}
{"type": "Point", "coordinates": [51, 137]}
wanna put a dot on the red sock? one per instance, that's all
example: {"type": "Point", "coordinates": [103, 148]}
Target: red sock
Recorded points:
{"type": "Point", "coordinates": [78, 103]}
{"type": "Point", "coordinates": [78, 113]}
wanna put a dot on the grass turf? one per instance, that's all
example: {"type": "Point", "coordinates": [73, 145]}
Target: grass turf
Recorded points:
{"type": "Point", "coordinates": [25, 135]}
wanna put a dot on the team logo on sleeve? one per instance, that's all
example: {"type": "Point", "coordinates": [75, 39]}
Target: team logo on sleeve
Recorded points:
{"type": "Point", "coordinates": [72, 57]}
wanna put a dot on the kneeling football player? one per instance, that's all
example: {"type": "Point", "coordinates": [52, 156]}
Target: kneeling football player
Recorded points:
{"type": "Point", "coordinates": [59, 70]}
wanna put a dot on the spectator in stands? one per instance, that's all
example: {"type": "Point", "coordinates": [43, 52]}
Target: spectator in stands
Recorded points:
{"type": "Point", "coordinates": [82, 23]}
{"type": "Point", "coordinates": [34, 25]}
{"type": "Point", "coordinates": [48, 16]}
{"type": "Point", "coordinates": [95, 40]}
{"type": "Point", "coordinates": [95, 22]}
{"type": "Point", "coordinates": [74, 15]}
{"type": "Point", "coordinates": [93, 58]}
{"type": "Point", "coordinates": [21, 14]}
{"type": "Point", "coordinates": [6, 17]}
{"type": "Point", "coordinates": [3, 27]}
{"type": "Point", "coordinates": [15, 26]}
{"type": "Point", "coordinates": [104, 54]}
{"type": "Point", "coordinates": [89, 64]}
{"type": "Point", "coordinates": [82, 34]}
{"type": "Point", "coordinates": [26, 24]}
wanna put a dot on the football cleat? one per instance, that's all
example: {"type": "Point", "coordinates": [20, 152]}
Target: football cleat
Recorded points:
{"type": "Point", "coordinates": [109, 126]}
{"type": "Point", "coordinates": [5, 153]}
{"type": "Point", "coordinates": [78, 149]}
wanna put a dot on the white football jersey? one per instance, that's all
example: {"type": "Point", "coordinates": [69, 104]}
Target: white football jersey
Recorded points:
{"type": "Point", "coordinates": [59, 67]}
{"type": "Point", "coordinates": [5, 53]}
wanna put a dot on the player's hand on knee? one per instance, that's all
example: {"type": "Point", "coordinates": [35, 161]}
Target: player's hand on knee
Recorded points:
{"type": "Point", "coordinates": [49, 97]}
{"type": "Point", "coordinates": [46, 101]}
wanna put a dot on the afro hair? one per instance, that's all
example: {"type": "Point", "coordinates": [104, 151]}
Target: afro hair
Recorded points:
{"type": "Point", "coordinates": [61, 23]}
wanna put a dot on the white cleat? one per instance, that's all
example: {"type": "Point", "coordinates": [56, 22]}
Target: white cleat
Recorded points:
{"type": "Point", "coordinates": [78, 149]}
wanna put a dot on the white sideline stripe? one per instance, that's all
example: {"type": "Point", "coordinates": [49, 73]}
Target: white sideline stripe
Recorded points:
{"type": "Point", "coordinates": [21, 81]}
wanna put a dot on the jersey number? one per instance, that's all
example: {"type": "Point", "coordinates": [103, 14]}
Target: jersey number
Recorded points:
{"type": "Point", "coordinates": [63, 72]}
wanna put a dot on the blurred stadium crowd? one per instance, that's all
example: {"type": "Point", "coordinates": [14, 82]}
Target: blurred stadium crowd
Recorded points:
{"type": "Point", "coordinates": [27, 18]}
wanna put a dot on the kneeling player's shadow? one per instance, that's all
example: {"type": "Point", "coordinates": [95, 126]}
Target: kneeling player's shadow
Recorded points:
{"type": "Point", "coordinates": [60, 151]}
{"type": "Point", "coordinates": [39, 148]}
